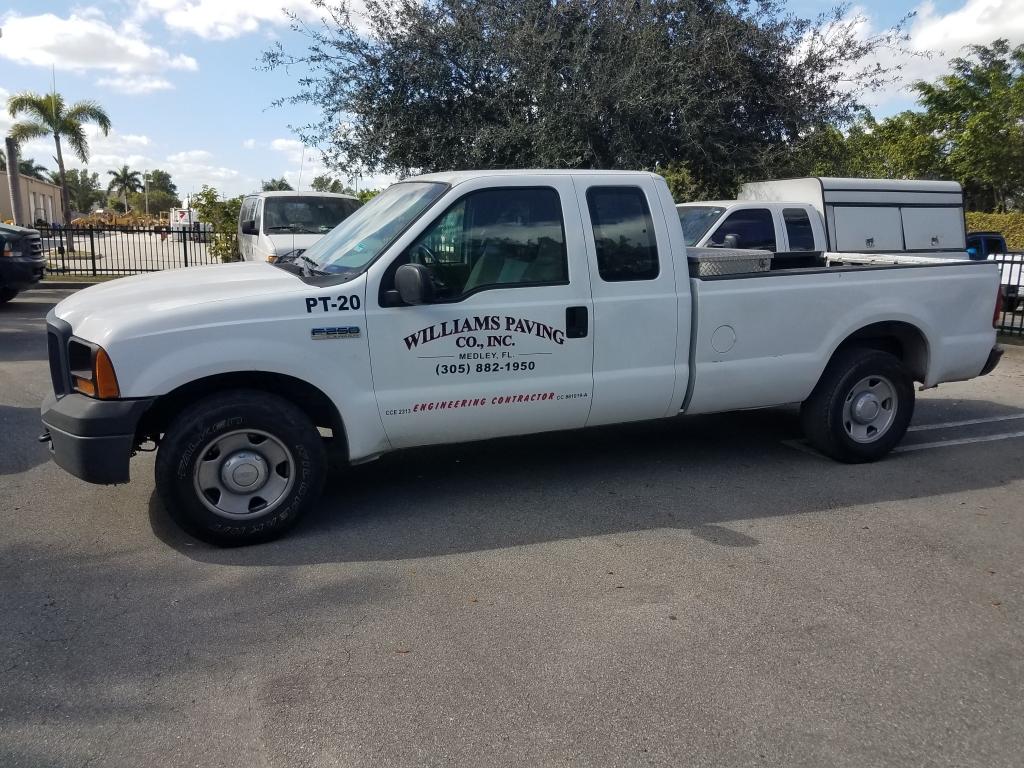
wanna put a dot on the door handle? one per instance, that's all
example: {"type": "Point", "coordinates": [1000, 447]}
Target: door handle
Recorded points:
{"type": "Point", "coordinates": [575, 322]}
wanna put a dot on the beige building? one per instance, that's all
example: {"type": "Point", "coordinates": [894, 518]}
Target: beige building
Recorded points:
{"type": "Point", "coordinates": [39, 200]}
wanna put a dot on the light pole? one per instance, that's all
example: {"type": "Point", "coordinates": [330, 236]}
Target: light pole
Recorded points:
{"type": "Point", "coordinates": [145, 187]}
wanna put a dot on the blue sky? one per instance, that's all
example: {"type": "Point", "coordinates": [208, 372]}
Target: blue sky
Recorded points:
{"type": "Point", "coordinates": [180, 78]}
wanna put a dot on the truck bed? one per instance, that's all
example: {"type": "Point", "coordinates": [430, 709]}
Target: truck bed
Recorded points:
{"type": "Point", "coordinates": [775, 328]}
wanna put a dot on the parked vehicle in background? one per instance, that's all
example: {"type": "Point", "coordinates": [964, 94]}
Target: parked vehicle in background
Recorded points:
{"type": "Point", "coordinates": [983, 246]}
{"type": "Point", "coordinates": [22, 261]}
{"type": "Point", "coordinates": [273, 223]}
{"type": "Point", "coordinates": [798, 218]}
{"type": "Point", "coordinates": [479, 304]}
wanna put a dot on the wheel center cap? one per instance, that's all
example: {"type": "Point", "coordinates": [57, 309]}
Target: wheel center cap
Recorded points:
{"type": "Point", "coordinates": [866, 408]}
{"type": "Point", "coordinates": [244, 472]}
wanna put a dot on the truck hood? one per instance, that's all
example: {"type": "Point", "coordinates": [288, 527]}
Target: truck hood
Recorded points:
{"type": "Point", "coordinates": [132, 298]}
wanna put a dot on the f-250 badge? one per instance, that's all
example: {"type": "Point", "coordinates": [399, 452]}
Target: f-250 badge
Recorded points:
{"type": "Point", "coordinates": [336, 332]}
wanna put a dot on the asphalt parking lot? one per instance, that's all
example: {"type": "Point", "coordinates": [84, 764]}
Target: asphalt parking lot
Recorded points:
{"type": "Point", "coordinates": [704, 591]}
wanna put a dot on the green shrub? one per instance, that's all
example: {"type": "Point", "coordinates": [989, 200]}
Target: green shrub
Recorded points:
{"type": "Point", "coordinates": [1011, 225]}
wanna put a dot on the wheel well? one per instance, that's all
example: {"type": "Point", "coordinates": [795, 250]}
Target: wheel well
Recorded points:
{"type": "Point", "coordinates": [902, 340]}
{"type": "Point", "coordinates": [310, 399]}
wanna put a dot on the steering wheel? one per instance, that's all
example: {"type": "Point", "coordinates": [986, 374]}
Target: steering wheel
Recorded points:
{"type": "Point", "coordinates": [427, 256]}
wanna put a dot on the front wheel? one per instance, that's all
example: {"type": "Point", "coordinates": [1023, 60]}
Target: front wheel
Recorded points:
{"type": "Point", "coordinates": [861, 407]}
{"type": "Point", "coordinates": [240, 467]}
{"type": "Point", "coordinates": [6, 294]}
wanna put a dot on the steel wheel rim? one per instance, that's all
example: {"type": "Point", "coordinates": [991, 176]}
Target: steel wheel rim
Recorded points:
{"type": "Point", "coordinates": [244, 474]}
{"type": "Point", "coordinates": [869, 409]}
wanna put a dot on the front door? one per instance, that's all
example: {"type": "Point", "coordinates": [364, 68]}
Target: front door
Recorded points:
{"type": "Point", "coordinates": [506, 347]}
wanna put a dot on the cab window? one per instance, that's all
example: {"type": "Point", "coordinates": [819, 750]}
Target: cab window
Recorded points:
{"type": "Point", "coordinates": [752, 228]}
{"type": "Point", "coordinates": [495, 238]}
{"type": "Point", "coordinates": [623, 234]}
{"type": "Point", "coordinates": [798, 229]}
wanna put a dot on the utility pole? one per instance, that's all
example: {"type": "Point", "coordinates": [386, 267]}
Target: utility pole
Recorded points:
{"type": "Point", "coordinates": [145, 186]}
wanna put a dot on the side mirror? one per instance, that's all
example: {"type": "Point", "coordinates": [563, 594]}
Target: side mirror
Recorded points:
{"type": "Point", "coordinates": [731, 241]}
{"type": "Point", "coordinates": [414, 284]}
{"type": "Point", "coordinates": [249, 227]}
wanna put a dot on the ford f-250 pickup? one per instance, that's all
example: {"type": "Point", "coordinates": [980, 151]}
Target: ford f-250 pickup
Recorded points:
{"type": "Point", "coordinates": [472, 305]}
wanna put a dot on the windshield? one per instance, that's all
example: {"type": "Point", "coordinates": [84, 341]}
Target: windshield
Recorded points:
{"type": "Point", "coordinates": [365, 234]}
{"type": "Point", "coordinates": [306, 215]}
{"type": "Point", "coordinates": [697, 220]}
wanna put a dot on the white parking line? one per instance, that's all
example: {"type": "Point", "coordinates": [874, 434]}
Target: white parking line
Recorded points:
{"type": "Point", "coordinates": [961, 441]}
{"type": "Point", "coordinates": [965, 422]}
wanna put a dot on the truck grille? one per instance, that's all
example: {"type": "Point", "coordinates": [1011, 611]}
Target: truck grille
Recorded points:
{"type": "Point", "coordinates": [58, 333]}
{"type": "Point", "coordinates": [35, 246]}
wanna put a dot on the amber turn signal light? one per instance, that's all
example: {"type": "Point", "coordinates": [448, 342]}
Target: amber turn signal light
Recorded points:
{"type": "Point", "coordinates": [104, 376]}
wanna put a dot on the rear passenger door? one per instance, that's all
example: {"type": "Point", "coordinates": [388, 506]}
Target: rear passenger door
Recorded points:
{"type": "Point", "coordinates": [638, 342]}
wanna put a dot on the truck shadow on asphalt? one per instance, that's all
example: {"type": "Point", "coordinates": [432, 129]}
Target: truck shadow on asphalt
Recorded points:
{"type": "Point", "coordinates": [23, 330]}
{"type": "Point", "coordinates": [19, 450]}
{"type": "Point", "coordinates": [699, 473]}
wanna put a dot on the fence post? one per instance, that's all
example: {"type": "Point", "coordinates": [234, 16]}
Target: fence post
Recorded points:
{"type": "Point", "coordinates": [92, 250]}
{"type": "Point", "coordinates": [184, 243]}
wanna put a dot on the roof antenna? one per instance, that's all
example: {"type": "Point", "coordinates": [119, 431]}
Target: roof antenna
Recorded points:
{"type": "Point", "coordinates": [302, 161]}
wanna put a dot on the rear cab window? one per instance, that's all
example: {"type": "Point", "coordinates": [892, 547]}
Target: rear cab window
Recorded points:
{"type": "Point", "coordinates": [623, 234]}
{"type": "Point", "coordinates": [798, 229]}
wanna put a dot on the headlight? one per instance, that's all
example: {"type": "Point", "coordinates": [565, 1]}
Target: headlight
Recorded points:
{"type": "Point", "coordinates": [9, 250]}
{"type": "Point", "coordinates": [92, 373]}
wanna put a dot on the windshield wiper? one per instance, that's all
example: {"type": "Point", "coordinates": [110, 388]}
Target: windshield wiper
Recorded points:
{"type": "Point", "coordinates": [312, 267]}
{"type": "Point", "coordinates": [280, 226]}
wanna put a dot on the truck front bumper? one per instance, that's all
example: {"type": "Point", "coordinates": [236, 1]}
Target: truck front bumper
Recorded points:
{"type": "Point", "coordinates": [993, 360]}
{"type": "Point", "coordinates": [92, 439]}
{"type": "Point", "coordinates": [19, 272]}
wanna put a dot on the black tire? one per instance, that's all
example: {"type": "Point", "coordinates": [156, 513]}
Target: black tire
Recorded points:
{"type": "Point", "coordinates": [240, 418]}
{"type": "Point", "coordinates": [824, 414]}
{"type": "Point", "coordinates": [6, 294]}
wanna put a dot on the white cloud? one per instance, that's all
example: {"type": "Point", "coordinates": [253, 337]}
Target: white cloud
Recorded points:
{"type": "Point", "coordinates": [976, 22]}
{"type": "Point", "coordinates": [84, 42]}
{"type": "Point", "coordinates": [225, 19]}
{"type": "Point", "coordinates": [136, 84]}
{"type": "Point", "coordinates": [191, 156]}
{"type": "Point", "coordinates": [249, 144]}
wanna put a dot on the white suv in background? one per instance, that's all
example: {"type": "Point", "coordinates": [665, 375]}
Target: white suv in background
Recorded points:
{"type": "Point", "coordinates": [272, 224]}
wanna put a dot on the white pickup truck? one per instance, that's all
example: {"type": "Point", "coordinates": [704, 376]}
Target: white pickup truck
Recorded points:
{"type": "Point", "coordinates": [797, 219]}
{"type": "Point", "coordinates": [472, 305]}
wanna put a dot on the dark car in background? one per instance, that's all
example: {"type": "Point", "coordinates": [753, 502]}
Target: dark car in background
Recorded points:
{"type": "Point", "coordinates": [21, 260]}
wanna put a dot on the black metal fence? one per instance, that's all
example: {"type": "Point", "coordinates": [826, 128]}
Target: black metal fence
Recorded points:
{"type": "Point", "coordinates": [1012, 319]}
{"type": "Point", "coordinates": [108, 250]}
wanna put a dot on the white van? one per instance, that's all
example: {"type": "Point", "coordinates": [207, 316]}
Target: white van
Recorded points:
{"type": "Point", "coordinates": [272, 224]}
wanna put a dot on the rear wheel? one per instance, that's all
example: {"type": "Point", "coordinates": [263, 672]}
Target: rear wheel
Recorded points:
{"type": "Point", "coordinates": [861, 407]}
{"type": "Point", "coordinates": [240, 467]}
{"type": "Point", "coordinates": [6, 294]}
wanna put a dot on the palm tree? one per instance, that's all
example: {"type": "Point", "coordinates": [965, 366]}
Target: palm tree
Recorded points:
{"type": "Point", "coordinates": [124, 181]}
{"type": "Point", "coordinates": [48, 115]}
{"type": "Point", "coordinates": [33, 169]}
{"type": "Point", "coordinates": [28, 168]}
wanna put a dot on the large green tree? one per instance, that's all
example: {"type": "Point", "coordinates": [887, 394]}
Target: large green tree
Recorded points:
{"type": "Point", "coordinates": [84, 190]}
{"type": "Point", "coordinates": [48, 115]}
{"type": "Point", "coordinates": [977, 112]}
{"type": "Point", "coordinates": [722, 88]}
